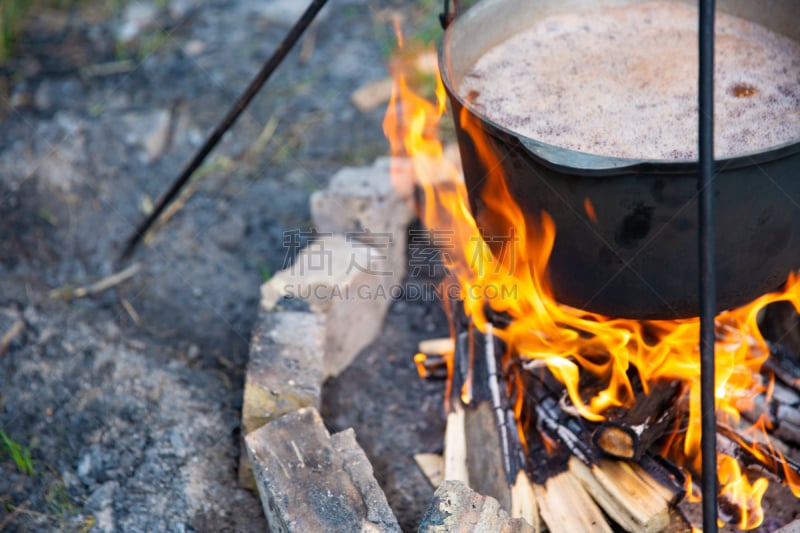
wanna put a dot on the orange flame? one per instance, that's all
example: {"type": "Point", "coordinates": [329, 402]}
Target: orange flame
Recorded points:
{"type": "Point", "coordinates": [736, 488]}
{"type": "Point", "coordinates": [571, 341]}
{"type": "Point", "coordinates": [419, 362]}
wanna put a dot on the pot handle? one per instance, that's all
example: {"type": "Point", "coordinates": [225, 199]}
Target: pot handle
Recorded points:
{"type": "Point", "coordinates": [446, 17]}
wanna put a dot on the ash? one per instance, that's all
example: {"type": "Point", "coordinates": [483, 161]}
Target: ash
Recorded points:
{"type": "Point", "coordinates": [130, 399]}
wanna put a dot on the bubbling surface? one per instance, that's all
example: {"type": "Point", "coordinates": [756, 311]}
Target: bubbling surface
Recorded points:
{"type": "Point", "coordinates": [622, 82]}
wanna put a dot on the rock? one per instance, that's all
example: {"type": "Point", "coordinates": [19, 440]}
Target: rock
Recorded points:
{"type": "Point", "coordinates": [150, 130]}
{"type": "Point", "coordinates": [456, 507]}
{"type": "Point", "coordinates": [194, 48]}
{"type": "Point", "coordinates": [84, 469]}
{"type": "Point", "coordinates": [61, 154]}
{"type": "Point", "coordinates": [22, 99]}
{"type": "Point", "coordinates": [358, 467]}
{"type": "Point", "coordinates": [100, 504]}
{"type": "Point", "coordinates": [791, 527]}
{"type": "Point", "coordinates": [284, 372]}
{"type": "Point", "coordinates": [178, 9]}
{"type": "Point", "coordinates": [372, 95]}
{"type": "Point", "coordinates": [303, 481]}
{"type": "Point", "coordinates": [359, 200]}
{"type": "Point", "coordinates": [137, 17]}
{"type": "Point", "coordinates": [44, 96]}
{"type": "Point", "coordinates": [347, 282]}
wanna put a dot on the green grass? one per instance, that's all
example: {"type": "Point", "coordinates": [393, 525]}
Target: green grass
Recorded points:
{"type": "Point", "coordinates": [14, 12]}
{"type": "Point", "coordinates": [59, 504]}
{"type": "Point", "coordinates": [21, 455]}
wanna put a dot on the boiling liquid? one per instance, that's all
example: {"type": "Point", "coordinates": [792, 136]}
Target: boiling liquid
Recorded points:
{"type": "Point", "coordinates": [623, 82]}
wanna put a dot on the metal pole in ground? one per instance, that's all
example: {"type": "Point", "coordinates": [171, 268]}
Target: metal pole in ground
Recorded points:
{"type": "Point", "coordinates": [707, 267]}
{"type": "Point", "coordinates": [230, 118]}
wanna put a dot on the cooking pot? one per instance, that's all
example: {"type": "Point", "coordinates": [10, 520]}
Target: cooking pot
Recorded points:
{"type": "Point", "coordinates": [638, 259]}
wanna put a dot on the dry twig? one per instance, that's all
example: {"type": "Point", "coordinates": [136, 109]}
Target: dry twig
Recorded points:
{"type": "Point", "coordinates": [97, 287]}
{"type": "Point", "coordinates": [15, 329]}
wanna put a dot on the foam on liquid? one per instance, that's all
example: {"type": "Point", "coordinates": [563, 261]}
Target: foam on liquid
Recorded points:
{"type": "Point", "coordinates": [623, 82]}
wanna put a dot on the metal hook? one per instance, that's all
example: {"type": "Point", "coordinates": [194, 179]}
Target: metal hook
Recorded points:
{"type": "Point", "coordinates": [445, 18]}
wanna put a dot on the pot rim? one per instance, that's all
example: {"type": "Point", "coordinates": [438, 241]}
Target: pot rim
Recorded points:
{"type": "Point", "coordinates": [585, 163]}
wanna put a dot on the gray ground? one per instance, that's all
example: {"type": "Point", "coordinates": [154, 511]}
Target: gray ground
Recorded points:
{"type": "Point", "coordinates": [130, 399]}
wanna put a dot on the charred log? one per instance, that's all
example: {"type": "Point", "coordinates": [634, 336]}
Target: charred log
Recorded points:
{"type": "Point", "coordinates": [782, 364]}
{"type": "Point", "coordinates": [484, 443]}
{"type": "Point", "coordinates": [751, 453]}
{"type": "Point", "coordinates": [630, 434]}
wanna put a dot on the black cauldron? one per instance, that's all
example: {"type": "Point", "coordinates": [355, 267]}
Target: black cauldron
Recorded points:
{"type": "Point", "coordinates": [639, 259]}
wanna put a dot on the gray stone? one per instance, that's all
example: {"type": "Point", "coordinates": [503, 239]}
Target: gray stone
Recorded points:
{"type": "Point", "coordinates": [179, 8]}
{"type": "Point", "coordinates": [100, 504]}
{"type": "Point", "coordinates": [284, 372]}
{"type": "Point", "coordinates": [136, 18]}
{"type": "Point", "coordinates": [358, 467]}
{"type": "Point", "coordinates": [102, 497]}
{"type": "Point", "coordinates": [62, 167]}
{"type": "Point", "coordinates": [365, 199]}
{"type": "Point", "coordinates": [43, 97]}
{"type": "Point", "coordinates": [348, 283]}
{"type": "Point", "coordinates": [85, 469]}
{"type": "Point", "coordinates": [285, 368]}
{"type": "Point", "coordinates": [302, 479]}
{"type": "Point", "coordinates": [791, 527]}
{"type": "Point", "coordinates": [456, 507]}
{"type": "Point", "coordinates": [150, 130]}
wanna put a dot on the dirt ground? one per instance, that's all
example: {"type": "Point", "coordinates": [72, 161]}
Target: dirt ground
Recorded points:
{"type": "Point", "coordinates": [129, 399]}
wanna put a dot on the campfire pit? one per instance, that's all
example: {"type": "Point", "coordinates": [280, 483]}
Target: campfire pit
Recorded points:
{"type": "Point", "coordinates": [579, 419]}
{"type": "Point", "coordinates": [540, 444]}
{"type": "Point", "coordinates": [397, 415]}
{"type": "Point", "coordinates": [632, 387]}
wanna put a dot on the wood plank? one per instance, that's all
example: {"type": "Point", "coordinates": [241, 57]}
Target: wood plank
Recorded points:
{"type": "Point", "coordinates": [523, 501]}
{"type": "Point", "coordinates": [455, 449]}
{"type": "Point", "coordinates": [566, 507]}
{"type": "Point", "coordinates": [484, 454]}
{"type": "Point", "coordinates": [439, 346]}
{"type": "Point", "coordinates": [618, 487]}
{"type": "Point", "coordinates": [432, 465]}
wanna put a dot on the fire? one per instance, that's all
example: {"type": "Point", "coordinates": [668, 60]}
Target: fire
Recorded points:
{"type": "Point", "coordinates": [736, 488]}
{"type": "Point", "coordinates": [569, 341]}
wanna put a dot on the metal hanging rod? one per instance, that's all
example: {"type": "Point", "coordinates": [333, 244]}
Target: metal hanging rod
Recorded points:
{"type": "Point", "coordinates": [706, 264]}
{"type": "Point", "coordinates": [225, 124]}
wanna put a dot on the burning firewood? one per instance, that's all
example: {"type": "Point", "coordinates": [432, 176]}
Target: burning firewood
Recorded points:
{"type": "Point", "coordinates": [635, 498]}
{"type": "Point", "coordinates": [431, 357]}
{"type": "Point", "coordinates": [439, 346]}
{"type": "Point", "coordinates": [482, 446]}
{"type": "Point", "coordinates": [752, 453]}
{"type": "Point", "coordinates": [569, 487]}
{"type": "Point", "coordinates": [783, 366]}
{"type": "Point", "coordinates": [780, 413]}
{"type": "Point", "coordinates": [630, 434]}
